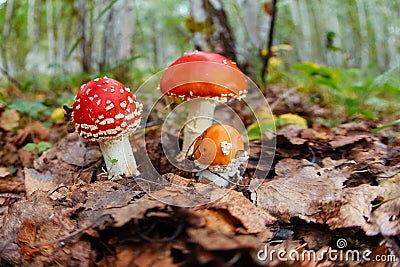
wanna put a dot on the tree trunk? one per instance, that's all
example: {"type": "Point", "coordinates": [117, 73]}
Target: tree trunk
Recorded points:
{"type": "Point", "coordinates": [50, 34]}
{"type": "Point", "coordinates": [116, 38]}
{"type": "Point", "coordinates": [85, 44]}
{"type": "Point", "coordinates": [6, 34]}
{"type": "Point", "coordinates": [128, 29]}
{"type": "Point", "coordinates": [210, 27]}
{"type": "Point", "coordinates": [31, 19]}
{"type": "Point", "coordinates": [200, 37]}
{"type": "Point", "coordinates": [264, 68]}
{"type": "Point", "coordinates": [362, 16]}
{"type": "Point", "coordinates": [251, 9]}
{"type": "Point", "coordinates": [32, 64]}
{"type": "Point", "coordinates": [222, 38]}
{"type": "Point", "coordinates": [107, 40]}
{"type": "Point", "coordinates": [60, 49]}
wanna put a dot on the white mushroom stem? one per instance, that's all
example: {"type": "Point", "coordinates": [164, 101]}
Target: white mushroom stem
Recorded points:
{"type": "Point", "coordinates": [119, 157]}
{"type": "Point", "coordinates": [223, 176]}
{"type": "Point", "coordinates": [199, 118]}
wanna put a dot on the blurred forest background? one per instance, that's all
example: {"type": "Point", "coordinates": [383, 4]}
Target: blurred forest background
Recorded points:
{"type": "Point", "coordinates": [344, 53]}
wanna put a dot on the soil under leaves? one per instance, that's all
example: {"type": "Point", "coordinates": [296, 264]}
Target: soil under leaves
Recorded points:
{"type": "Point", "coordinates": [325, 185]}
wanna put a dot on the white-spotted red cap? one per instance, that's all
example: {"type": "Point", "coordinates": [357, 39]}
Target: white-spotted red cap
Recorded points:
{"type": "Point", "coordinates": [104, 109]}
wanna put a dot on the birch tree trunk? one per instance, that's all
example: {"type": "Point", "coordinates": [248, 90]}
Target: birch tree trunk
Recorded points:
{"type": "Point", "coordinates": [119, 27]}
{"type": "Point", "coordinates": [32, 63]}
{"type": "Point", "coordinates": [6, 34]}
{"type": "Point", "coordinates": [333, 58]}
{"type": "Point", "coordinates": [111, 37]}
{"type": "Point", "coordinates": [85, 44]}
{"type": "Point", "coordinates": [251, 9]}
{"type": "Point", "coordinates": [307, 45]}
{"type": "Point", "coordinates": [60, 49]}
{"type": "Point", "coordinates": [362, 16]}
{"type": "Point", "coordinates": [128, 30]}
{"type": "Point", "coordinates": [212, 31]}
{"type": "Point", "coordinates": [31, 19]}
{"type": "Point", "coordinates": [222, 38]}
{"type": "Point", "coordinates": [108, 37]}
{"type": "Point", "coordinates": [50, 34]}
{"type": "Point", "coordinates": [200, 38]}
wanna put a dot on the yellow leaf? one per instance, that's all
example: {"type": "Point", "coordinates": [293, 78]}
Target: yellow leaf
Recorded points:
{"type": "Point", "coordinates": [275, 61]}
{"type": "Point", "coordinates": [264, 52]}
{"type": "Point", "coordinates": [290, 118]}
{"type": "Point", "coordinates": [280, 47]}
{"type": "Point", "coordinates": [58, 115]}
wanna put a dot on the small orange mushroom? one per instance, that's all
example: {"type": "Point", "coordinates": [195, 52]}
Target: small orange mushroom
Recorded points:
{"type": "Point", "coordinates": [218, 145]}
{"type": "Point", "coordinates": [219, 148]}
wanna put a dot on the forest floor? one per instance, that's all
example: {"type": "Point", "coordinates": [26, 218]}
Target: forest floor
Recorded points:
{"type": "Point", "coordinates": [331, 198]}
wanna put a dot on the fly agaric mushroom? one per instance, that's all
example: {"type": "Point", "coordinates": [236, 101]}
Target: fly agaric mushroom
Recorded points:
{"type": "Point", "coordinates": [105, 111]}
{"type": "Point", "coordinates": [203, 78]}
{"type": "Point", "coordinates": [221, 148]}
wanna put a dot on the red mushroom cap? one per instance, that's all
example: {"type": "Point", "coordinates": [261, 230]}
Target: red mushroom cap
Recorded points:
{"type": "Point", "coordinates": [203, 74]}
{"type": "Point", "coordinates": [105, 109]}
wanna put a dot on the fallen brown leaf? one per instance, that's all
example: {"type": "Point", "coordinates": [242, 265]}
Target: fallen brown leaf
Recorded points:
{"type": "Point", "coordinates": [292, 133]}
{"type": "Point", "coordinates": [135, 210]}
{"type": "Point", "coordinates": [12, 185]}
{"type": "Point", "coordinates": [214, 240]}
{"type": "Point", "coordinates": [4, 172]}
{"type": "Point", "coordinates": [341, 141]}
{"type": "Point", "coordinates": [251, 217]}
{"type": "Point", "coordinates": [26, 239]}
{"type": "Point", "coordinates": [149, 255]}
{"type": "Point", "coordinates": [10, 252]}
{"type": "Point", "coordinates": [386, 217]}
{"type": "Point", "coordinates": [218, 221]}
{"type": "Point", "coordinates": [302, 190]}
{"type": "Point", "coordinates": [35, 180]}
{"type": "Point", "coordinates": [356, 208]}
{"type": "Point", "coordinates": [9, 119]}
{"type": "Point", "coordinates": [76, 152]}
{"type": "Point", "coordinates": [391, 186]}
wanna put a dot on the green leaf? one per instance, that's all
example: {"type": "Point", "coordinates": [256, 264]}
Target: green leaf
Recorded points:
{"type": "Point", "coordinates": [43, 146]}
{"type": "Point", "coordinates": [30, 146]}
{"type": "Point", "coordinates": [113, 161]}
{"type": "Point", "coordinates": [255, 130]}
{"type": "Point", "coordinates": [34, 109]}
{"type": "Point", "coordinates": [390, 124]}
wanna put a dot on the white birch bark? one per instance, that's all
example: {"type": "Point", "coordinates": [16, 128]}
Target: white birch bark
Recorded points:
{"type": "Point", "coordinates": [304, 23]}
{"type": "Point", "coordinates": [199, 14]}
{"type": "Point", "coordinates": [31, 19]}
{"type": "Point", "coordinates": [60, 49]}
{"type": "Point", "coordinates": [362, 17]}
{"type": "Point", "coordinates": [34, 57]}
{"type": "Point", "coordinates": [251, 21]}
{"type": "Point", "coordinates": [128, 30]}
{"type": "Point", "coordinates": [6, 33]}
{"type": "Point", "coordinates": [50, 34]}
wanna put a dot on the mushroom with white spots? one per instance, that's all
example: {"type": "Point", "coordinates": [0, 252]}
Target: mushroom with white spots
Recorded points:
{"type": "Point", "coordinates": [220, 148]}
{"type": "Point", "coordinates": [108, 117]}
{"type": "Point", "coordinates": [203, 78]}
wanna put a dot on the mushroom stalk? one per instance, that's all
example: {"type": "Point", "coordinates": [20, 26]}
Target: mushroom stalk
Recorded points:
{"type": "Point", "coordinates": [119, 157]}
{"type": "Point", "coordinates": [199, 118]}
{"type": "Point", "coordinates": [223, 176]}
